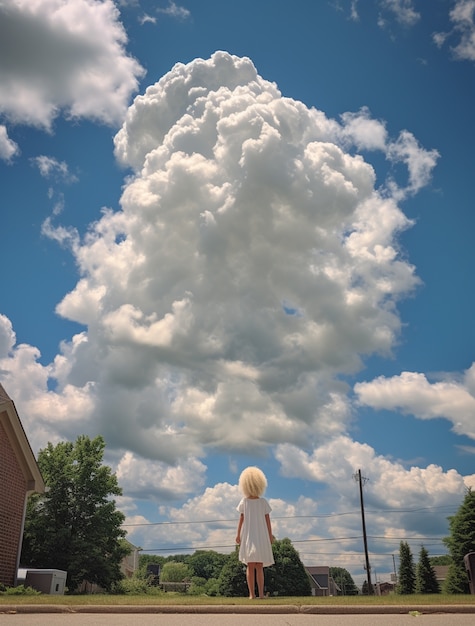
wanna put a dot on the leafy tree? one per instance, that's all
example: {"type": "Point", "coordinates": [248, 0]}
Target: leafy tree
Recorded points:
{"type": "Point", "coordinates": [288, 576]}
{"type": "Point", "coordinates": [460, 542]}
{"type": "Point", "coordinates": [426, 580]}
{"type": "Point", "coordinates": [207, 563]}
{"type": "Point", "coordinates": [407, 574]}
{"type": "Point", "coordinates": [232, 580]}
{"type": "Point", "coordinates": [443, 559]}
{"type": "Point", "coordinates": [174, 572]}
{"type": "Point", "coordinates": [344, 580]}
{"type": "Point", "coordinates": [75, 525]}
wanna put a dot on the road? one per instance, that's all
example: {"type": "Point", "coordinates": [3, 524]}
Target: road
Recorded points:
{"type": "Point", "coordinates": [234, 619]}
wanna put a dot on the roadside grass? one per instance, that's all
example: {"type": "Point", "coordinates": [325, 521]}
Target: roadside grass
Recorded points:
{"type": "Point", "coordinates": [174, 598]}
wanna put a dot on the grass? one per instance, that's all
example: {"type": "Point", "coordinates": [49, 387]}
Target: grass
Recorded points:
{"type": "Point", "coordinates": [172, 598]}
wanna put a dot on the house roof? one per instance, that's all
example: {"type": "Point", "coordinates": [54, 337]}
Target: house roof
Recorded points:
{"type": "Point", "coordinates": [319, 575]}
{"type": "Point", "coordinates": [13, 427]}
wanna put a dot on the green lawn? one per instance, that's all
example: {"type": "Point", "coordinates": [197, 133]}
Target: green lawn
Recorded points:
{"type": "Point", "coordinates": [183, 599]}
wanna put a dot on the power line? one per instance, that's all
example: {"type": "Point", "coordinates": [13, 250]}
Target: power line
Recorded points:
{"type": "Point", "coordinates": [282, 517]}
{"type": "Point", "coordinates": [296, 541]}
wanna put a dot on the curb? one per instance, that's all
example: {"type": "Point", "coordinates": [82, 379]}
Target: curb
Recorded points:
{"type": "Point", "coordinates": [277, 609]}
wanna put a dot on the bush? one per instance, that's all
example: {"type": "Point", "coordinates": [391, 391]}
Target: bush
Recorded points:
{"type": "Point", "coordinates": [21, 590]}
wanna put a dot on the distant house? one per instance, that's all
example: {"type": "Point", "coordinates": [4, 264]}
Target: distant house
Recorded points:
{"type": "Point", "coordinates": [441, 572]}
{"type": "Point", "coordinates": [19, 478]}
{"type": "Point", "coordinates": [321, 583]}
{"type": "Point", "coordinates": [130, 562]}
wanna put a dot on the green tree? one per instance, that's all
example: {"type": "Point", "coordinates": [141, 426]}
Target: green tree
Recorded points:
{"type": "Point", "coordinates": [344, 580]}
{"type": "Point", "coordinates": [426, 580]}
{"type": "Point", "coordinates": [174, 572]}
{"type": "Point", "coordinates": [75, 525]}
{"type": "Point", "coordinates": [207, 563]}
{"type": "Point", "coordinates": [232, 580]}
{"type": "Point", "coordinates": [443, 559]}
{"type": "Point", "coordinates": [287, 577]}
{"type": "Point", "coordinates": [460, 542]}
{"type": "Point", "coordinates": [407, 574]}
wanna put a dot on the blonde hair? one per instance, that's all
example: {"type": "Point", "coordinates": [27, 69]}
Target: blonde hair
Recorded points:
{"type": "Point", "coordinates": [252, 482]}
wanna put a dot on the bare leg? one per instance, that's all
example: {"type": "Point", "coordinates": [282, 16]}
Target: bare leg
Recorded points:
{"type": "Point", "coordinates": [251, 579]}
{"type": "Point", "coordinates": [260, 579]}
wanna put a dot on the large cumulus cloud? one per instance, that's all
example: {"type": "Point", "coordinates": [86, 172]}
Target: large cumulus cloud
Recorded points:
{"type": "Point", "coordinates": [252, 264]}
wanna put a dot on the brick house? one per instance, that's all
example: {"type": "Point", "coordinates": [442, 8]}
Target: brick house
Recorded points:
{"type": "Point", "coordinates": [19, 477]}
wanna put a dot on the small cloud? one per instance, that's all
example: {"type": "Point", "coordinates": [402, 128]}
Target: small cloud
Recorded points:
{"type": "Point", "coordinates": [173, 10]}
{"type": "Point", "coordinates": [439, 39]}
{"type": "Point", "coordinates": [463, 18]}
{"type": "Point", "coordinates": [49, 167]}
{"type": "Point", "coordinates": [67, 237]}
{"type": "Point", "coordinates": [403, 11]}
{"type": "Point", "coordinates": [147, 19]}
{"type": "Point", "coordinates": [466, 449]}
{"type": "Point", "coordinates": [8, 148]}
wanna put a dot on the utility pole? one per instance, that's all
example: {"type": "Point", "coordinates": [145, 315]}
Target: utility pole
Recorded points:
{"type": "Point", "coordinates": [360, 480]}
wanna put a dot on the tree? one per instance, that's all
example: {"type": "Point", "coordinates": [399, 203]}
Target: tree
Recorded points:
{"type": "Point", "coordinates": [460, 542]}
{"type": "Point", "coordinates": [232, 580]}
{"type": "Point", "coordinates": [407, 575]}
{"type": "Point", "coordinates": [288, 576]}
{"type": "Point", "coordinates": [426, 580]}
{"type": "Point", "coordinates": [344, 580]}
{"type": "Point", "coordinates": [175, 572]}
{"type": "Point", "coordinates": [75, 525]}
{"type": "Point", "coordinates": [207, 563]}
{"type": "Point", "coordinates": [443, 559]}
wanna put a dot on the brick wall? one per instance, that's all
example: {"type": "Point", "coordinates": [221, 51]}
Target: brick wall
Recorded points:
{"type": "Point", "coordinates": [12, 500]}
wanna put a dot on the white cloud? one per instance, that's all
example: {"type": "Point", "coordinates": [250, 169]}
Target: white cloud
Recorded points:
{"type": "Point", "coordinates": [462, 16]}
{"type": "Point", "coordinates": [8, 148]}
{"type": "Point", "coordinates": [402, 10]}
{"type": "Point", "coordinates": [158, 481]}
{"type": "Point", "coordinates": [174, 10]}
{"type": "Point", "coordinates": [411, 392]}
{"type": "Point", "coordinates": [354, 10]}
{"type": "Point", "coordinates": [49, 167]}
{"type": "Point", "coordinates": [147, 19]}
{"type": "Point", "coordinates": [363, 131]}
{"type": "Point", "coordinates": [252, 265]}
{"type": "Point", "coordinates": [401, 500]}
{"type": "Point", "coordinates": [420, 162]}
{"type": "Point", "coordinates": [64, 56]}
{"type": "Point", "coordinates": [7, 336]}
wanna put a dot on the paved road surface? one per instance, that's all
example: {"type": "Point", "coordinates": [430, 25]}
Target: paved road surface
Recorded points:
{"type": "Point", "coordinates": [235, 619]}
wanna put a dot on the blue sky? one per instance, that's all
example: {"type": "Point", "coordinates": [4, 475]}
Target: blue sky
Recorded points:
{"type": "Point", "coordinates": [241, 233]}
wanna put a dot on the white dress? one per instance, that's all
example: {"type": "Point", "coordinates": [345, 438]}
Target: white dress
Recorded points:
{"type": "Point", "coordinates": [255, 544]}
